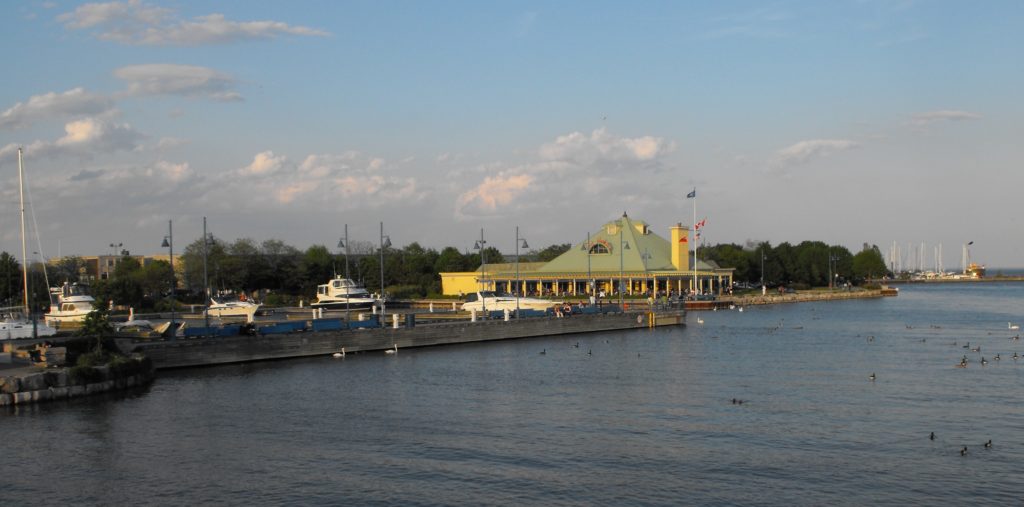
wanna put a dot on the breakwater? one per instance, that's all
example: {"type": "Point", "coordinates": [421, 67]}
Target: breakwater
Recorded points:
{"type": "Point", "coordinates": [33, 385]}
{"type": "Point", "coordinates": [201, 351]}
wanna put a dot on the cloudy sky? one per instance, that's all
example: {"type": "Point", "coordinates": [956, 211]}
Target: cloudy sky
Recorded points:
{"type": "Point", "coordinates": [848, 121]}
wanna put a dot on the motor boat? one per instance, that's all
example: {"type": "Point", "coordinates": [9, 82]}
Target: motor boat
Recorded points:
{"type": "Point", "coordinates": [492, 301]}
{"type": "Point", "coordinates": [69, 304]}
{"type": "Point", "coordinates": [340, 293]}
{"type": "Point", "coordinates": [231, 306]}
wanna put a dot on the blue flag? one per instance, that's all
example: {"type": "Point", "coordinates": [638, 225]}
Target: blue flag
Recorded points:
{"type": "Point", "coordinates": [692, 194]}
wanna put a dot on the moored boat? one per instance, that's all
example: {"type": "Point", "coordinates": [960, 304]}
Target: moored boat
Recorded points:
{"type": "Point", "coordinates": [69, 304]}
{"type": "Point", "coordinates": [496, 301]}
{"type": "Point", "coordinates": [229, 307]}
{"type": "Point", "coordinates": [341, 293]}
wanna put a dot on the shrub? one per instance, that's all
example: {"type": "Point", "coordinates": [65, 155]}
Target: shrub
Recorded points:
{"type": "Point", "coordinates": [84, 375]}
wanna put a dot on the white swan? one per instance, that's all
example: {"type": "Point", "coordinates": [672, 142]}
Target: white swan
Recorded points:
{"type": "Point", "coordinates": [392, 350]}
{"type": "Point", "coordinates": [700, 321]}
{"type": "Point", "coordinates": [339, 354]}
{"type": "Point", "coordinates": [1011, 325]}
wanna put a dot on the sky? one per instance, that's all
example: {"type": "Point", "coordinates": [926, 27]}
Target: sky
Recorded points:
{"type": "Point", "coordinates": [848, 122]}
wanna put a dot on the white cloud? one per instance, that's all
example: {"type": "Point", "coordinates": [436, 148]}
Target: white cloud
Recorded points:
{"type": "Point", "coordinates": [324, 182]}
{"type": "Point", "coordinates": [264, 163]}
{"type": "Point", "coordinates": [137, 23]}
{"type": "Point", "coordinates": [600, 145]}
{"type": "Point", "coordinates": [183, 80]}
{"type": "Point", "coordinates": [930, 117]}
{"type": "Point", "coordinates": [494, 192]}
{"type": "Point", "coordinates": [84, 138]}
{"type": "Point", "coordinates": [73, 102]}
{"type": "Point", "coordinates": [573, 167]}
{"type": "Point", "coordinates": [804, 151]}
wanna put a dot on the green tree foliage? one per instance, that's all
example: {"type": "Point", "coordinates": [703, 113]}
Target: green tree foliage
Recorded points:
{"type": "Point", "coordinates": [317, 266]}
{"type": "Point", "coordinates": [868, 264]}
{"type": "Point", "coordinates": [97, 325]}
{"type": "Point", "coordinates": [550, 253]}
{"type": "Point", "coordinates": [10, 280]}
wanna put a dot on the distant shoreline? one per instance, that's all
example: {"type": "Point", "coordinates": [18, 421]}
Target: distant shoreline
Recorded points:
{"type": "Point", "coordinates": [988, 279]}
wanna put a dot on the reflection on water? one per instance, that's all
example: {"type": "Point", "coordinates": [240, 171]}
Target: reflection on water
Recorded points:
{"type": "Point", "coordinates": [624, 417]}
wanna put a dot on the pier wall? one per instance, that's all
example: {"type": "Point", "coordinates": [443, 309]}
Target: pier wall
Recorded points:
{"type": "Point", "coordinates": [234, 349]}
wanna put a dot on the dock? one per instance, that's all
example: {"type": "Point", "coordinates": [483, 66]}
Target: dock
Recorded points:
{"type": "Point", "coordinates": [304, 341]}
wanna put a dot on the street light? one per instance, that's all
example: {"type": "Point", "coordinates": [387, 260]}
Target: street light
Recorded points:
{"type": "Point", "coordinates": [169, 244]}
{"type": "Point", "coordinates": [343, 243]}
{"type": "Point", "coordinates": [480, 245]}
{"type": "Point", "coordinates": [519, 242]}
{"type": "Point", "coordinates": [115, 247]}
{"type": "Point", "coordinates": [762, 270]}
{"type": "Point", "coordinates": [590, 278]}
{"type": "Point", "coordinates": [206, 280]}
{"type": "Point", "coordinates": [623, 246]}
{"type": "Point", "coordinates": [645, 256]}
{"type": "Point", "coordinates": [385, 241]}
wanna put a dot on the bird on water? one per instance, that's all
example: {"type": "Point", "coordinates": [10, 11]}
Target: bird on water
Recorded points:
{"type": "Point", "coordinates": [963, 452]}
{"type": "Point", "coordinates": [988, 445]}
{"type": "Point", "coordinates": [932, 436]}
{"type": "Point", "coordinates": [393, 350]}
{"type": "Point", "coordinates": [872, 377]}
{"type": "Point", "coordinates": [340, 354]}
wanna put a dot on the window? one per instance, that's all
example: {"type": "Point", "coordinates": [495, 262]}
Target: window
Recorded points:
{"type": "Point", "coordinates": [599, 248]}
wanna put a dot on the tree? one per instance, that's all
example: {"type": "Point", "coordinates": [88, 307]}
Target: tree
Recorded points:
{"type": "Point", "coordinates": [868, 264]}
{"type": "Point", "coordinates": [550, 253]}
{"type": "Point", "coordinates": [317, 266]}
{"type": "Point", "coordinates": [10, 279]}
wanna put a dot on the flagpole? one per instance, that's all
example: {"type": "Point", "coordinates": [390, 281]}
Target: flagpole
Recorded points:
{"type": "Point", "coordinates": [694, 229]}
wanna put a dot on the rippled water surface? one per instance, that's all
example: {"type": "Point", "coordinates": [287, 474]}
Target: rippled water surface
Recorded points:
{"type": "Point", "coordinates": [643, 417]}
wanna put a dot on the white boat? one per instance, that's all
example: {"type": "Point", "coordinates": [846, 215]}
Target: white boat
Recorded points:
{"type": "Point", "coordinates": [495, 301]}
{"type": "Point", "coordinates": [225, 307]}
{"type": "Point", "coordinates": [69, 304]}
{"type": "Point", "coordinates": [340, 293]}
{"type": "Point", "coordinates": [14, 327]}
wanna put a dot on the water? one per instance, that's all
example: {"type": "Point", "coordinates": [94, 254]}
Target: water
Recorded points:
{"type": "Point", "coordinates": [646, 418]}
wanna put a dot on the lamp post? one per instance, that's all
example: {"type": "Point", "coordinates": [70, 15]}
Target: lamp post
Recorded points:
{"type": "Point", "coordinates": [590, 276]}
{"type": "Point", "coordinates": [385, 241]}
{"type": "Point", "coordinates": [206, 280]}
{"type": "Point", "coordinates": [762, 270]}
{"type": "Point", "coordinates": [169, 243]}
{"type": "Point", "coordinates": [343, 243]}
{"type": "Point", "coordinates": [645, 256]}
{"type": "Point", "coordinates": [519, 242]}
{"type": "Point", "coordinates": [480, 245]}
{"type": "Point", "coordinates": [623, 246]}
{"type": "Point", "coordinates": [115, 247]}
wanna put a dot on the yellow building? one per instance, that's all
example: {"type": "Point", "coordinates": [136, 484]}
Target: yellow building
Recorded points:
{"type": "Point", "coordinates": [623, 250]}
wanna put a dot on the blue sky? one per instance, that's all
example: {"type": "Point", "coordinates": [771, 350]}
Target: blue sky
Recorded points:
{"type": "Point", "coordinates": [847, 122]}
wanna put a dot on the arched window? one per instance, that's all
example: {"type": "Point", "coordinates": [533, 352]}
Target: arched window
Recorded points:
{"type": "Point", "coordinates": [599, 248]}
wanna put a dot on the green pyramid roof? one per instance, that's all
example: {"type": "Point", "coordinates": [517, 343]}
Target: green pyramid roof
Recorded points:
{"type": "Point", "coordinates": [642, 245]}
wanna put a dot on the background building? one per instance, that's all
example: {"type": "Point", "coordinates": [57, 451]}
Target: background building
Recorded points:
{"type": "Point", "coordinates": [623, 250]}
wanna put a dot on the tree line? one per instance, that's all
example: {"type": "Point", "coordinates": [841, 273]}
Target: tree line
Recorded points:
{"type": "Point", "coordinates": [807, 264]}
{"type": "Point", "coordinates": [282, 273]}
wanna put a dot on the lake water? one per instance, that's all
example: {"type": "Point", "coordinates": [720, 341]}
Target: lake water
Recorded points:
{"type": "Point", "coordinates": [625, 418]}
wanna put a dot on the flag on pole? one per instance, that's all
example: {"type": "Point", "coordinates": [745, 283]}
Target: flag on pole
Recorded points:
{"type": "Point", "coordinates": [692, 194]}
{"type": "Point", "coordinates": [700, 225]}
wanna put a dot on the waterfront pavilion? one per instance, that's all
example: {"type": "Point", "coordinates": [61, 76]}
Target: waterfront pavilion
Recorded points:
{"type": "Point", "coordinates": [623, 250]}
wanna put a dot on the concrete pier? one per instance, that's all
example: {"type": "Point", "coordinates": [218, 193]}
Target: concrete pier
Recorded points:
{"type": "Point", "coordinates": [200, 351]}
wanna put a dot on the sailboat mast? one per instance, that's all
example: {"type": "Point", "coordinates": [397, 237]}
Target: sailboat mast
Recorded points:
{"type": "Point", "coordinates": [24, 254]}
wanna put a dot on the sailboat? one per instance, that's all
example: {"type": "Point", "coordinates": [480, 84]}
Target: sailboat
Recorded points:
{"type": "Point", "coordinates": [15, 327]}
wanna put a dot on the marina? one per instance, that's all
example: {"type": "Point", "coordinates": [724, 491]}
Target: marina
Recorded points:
{"type": "Point", "coordinates": [644, 416]}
